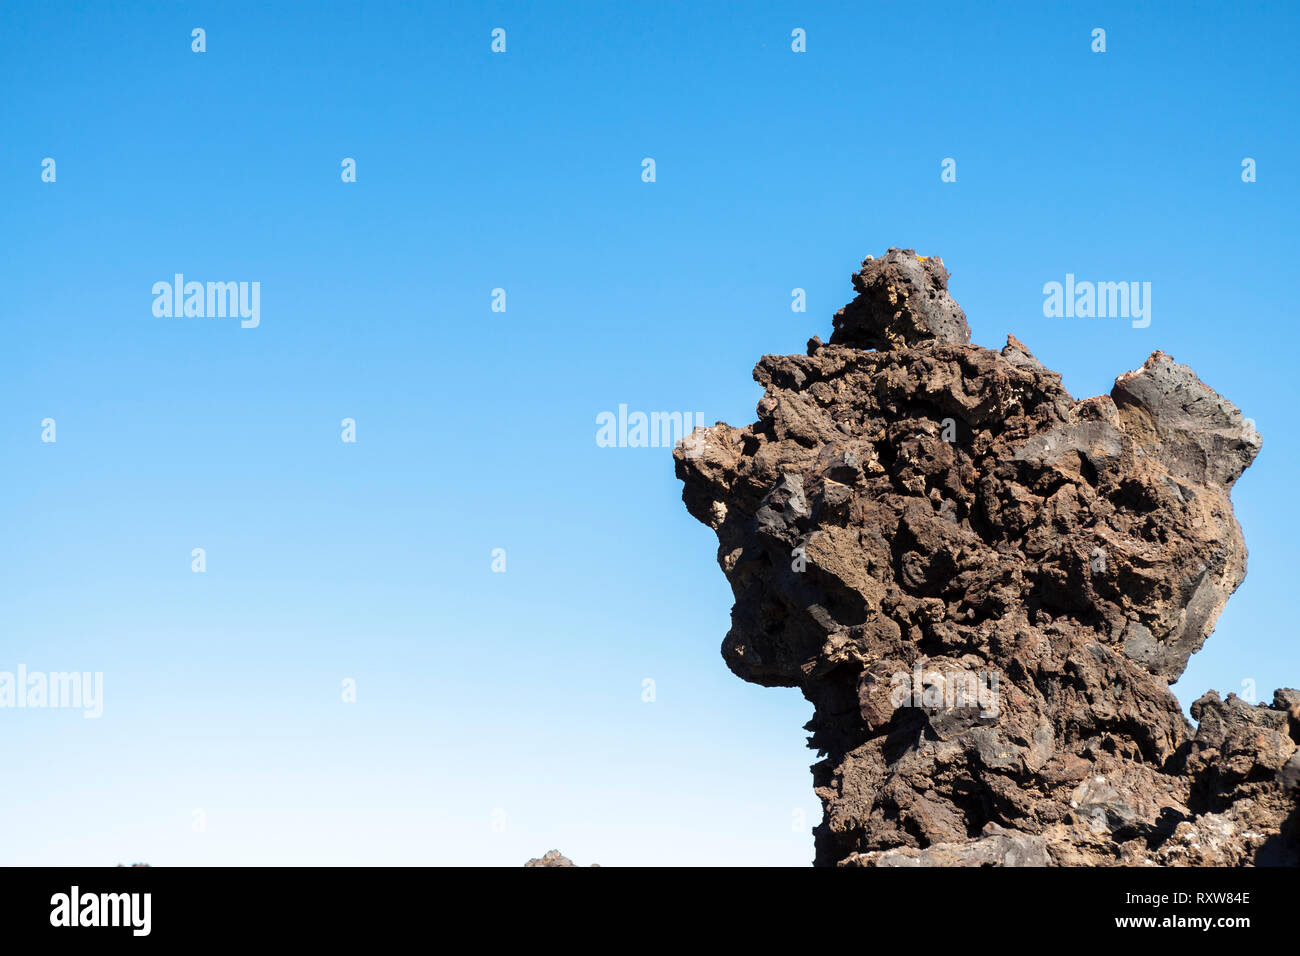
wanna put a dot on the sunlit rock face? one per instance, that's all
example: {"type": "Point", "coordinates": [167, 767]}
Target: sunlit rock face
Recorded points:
{"type": "Point", "coordinates": [985, 587]}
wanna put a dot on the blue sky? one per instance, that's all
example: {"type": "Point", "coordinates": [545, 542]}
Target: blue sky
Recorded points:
{"type": "Point", "coordinates": [499, 715]}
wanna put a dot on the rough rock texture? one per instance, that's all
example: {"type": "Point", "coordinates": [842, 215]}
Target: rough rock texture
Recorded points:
{"type": "Point", "coordinates": [553, 858]}
{"type": "Point", "coordinates": [985, 588]}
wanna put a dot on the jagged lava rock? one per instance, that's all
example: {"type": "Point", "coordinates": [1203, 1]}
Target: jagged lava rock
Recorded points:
{"type": "Point", "coordinates": [911, 504]}
{"type": "Point", "coordinates": [902, 300]}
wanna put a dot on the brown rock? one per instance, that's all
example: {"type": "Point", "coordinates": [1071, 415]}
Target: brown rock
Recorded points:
{"type": "Point", "coordinates": [985, 588]}
{"type": "Point", "coordinates": [553, 858]}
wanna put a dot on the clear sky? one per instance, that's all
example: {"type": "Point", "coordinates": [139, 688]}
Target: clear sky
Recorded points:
{"type": "Point", "coordinates": [499, 715]}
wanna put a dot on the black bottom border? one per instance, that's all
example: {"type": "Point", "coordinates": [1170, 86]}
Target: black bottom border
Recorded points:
{"type": "Point", "coordinates": [382, 904]}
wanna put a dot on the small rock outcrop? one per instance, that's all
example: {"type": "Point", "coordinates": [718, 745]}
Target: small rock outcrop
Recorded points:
{"type": "Point", "coordinates": [553, 858]}
{"type": "Point", "coordinates": [985, 588]}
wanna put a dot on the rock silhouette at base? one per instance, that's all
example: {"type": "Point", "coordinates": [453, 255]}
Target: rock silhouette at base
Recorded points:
{"type": "Point", "coordinates": [554, 858]}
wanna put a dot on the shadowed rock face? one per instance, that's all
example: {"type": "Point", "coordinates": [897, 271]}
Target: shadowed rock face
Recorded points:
{"type": "Point", "coordinates": [985, 588]}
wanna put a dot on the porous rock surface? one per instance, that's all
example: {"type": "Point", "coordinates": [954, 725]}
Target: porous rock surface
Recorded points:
{"type": "Point", "coordinates": [913, 516]}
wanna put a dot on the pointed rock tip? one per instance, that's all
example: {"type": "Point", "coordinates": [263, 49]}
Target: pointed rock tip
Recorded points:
{"type": "Point", "coordinates": [902, 302]}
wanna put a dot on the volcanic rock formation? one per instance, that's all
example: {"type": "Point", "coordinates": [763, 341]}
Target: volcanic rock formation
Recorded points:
{"type": "Point", "coordinates": [985, 587]}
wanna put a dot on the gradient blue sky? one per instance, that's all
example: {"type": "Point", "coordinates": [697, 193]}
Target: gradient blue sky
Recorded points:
{"type": "Point", "coordinates": [522, 691]}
